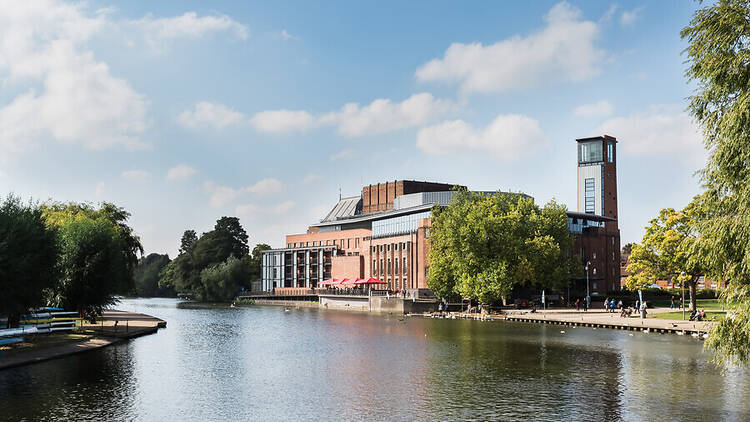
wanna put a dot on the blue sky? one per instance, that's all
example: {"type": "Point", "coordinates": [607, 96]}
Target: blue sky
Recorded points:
{"type": "Point", "coordinates": [183, 112]}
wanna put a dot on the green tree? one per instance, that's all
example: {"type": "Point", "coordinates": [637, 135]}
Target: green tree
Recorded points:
{"type": "Point", "coordinates": [668, 249]}
{"type": "Point", "coordinates": [188, 240]}
{"type": "Point", "coordinates": [98, 255]}
{"type": "Point", "coordinates": [256, 261]}
{"type": "Point", "coordinates": [222, 281]}
{"type": "Point", "coordinates": [184, 273]}
{"type": "Point", "coordinates": [482, 246]}
{"type": "Point", "coordinates": [719, 62]}
{"type": "Point", "coordinates": [28, 256]}
{"type": "Point", "coordinates": [147, 274]}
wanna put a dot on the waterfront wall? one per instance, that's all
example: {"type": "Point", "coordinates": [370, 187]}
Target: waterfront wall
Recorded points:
{"type": "Point", "coordinates": [377, 304]}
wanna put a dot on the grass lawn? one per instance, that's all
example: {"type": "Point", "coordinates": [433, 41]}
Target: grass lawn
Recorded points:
{"type": "Point", "coordinates": [706, 304]}
{"type": "Point", "coordinates": [710, 315]}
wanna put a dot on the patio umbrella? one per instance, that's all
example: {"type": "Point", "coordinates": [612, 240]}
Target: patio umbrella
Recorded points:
{"type": "Point", "coordinates": [371, 281]}
{"type": "Point", "coordinates": [328, 282]}
{"type": "Point", "coordinates": [344, 281]}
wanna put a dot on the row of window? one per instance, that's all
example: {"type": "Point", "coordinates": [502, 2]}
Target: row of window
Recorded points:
{"type": "Point", "coordinates": [342, 243]}
{"type": "Point", "coordinates": [389, 269]}
{"type": "Point", "coordinates": [387, 248]}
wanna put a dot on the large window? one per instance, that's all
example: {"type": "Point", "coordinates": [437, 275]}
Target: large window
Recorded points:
{"type": "Point", "coordinates": [610, 151]}
{"type": "Point", "coordinates": [590, 152]}
{"type": "Point", "coordinates": [404, 224]}
{"type": "Point", "coordinates": [589, 196]}
{"type": "Point", "coordinates": [404, 266]}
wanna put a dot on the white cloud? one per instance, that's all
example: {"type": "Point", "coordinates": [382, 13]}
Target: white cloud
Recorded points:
{"type": "Point", "coordinates": [609, 14]}
{"type": "Point", "coordinates": [220, 195]}
{"type": "Point", "coordinates": [382, 115]}
{"type": "Point", "coordinates": [280, 121]}
{"type": "Point", "coordinates": [600, 108]}
{"type": "Point", "coordinates": [629, 17]}
{"type": "Point", "coordinates": [137, 175]}
{"type": "Point", "coordinates": [180, 172]}
{"type": "Point", "coordinates": [160, 31]}
{"type": "Point", "coordinates": [67, 95]}
{"type": "Point", "coordinates": [658, 131]}
{"type": "Point", "coordinates": [311, 178]}
{"type": "Point", "coordinates": [346, 153]}
{"type": "Point", "coordinates": [223, 195]}
{"type": "Point", "coordinates": [508, 137]}
{"type": "Point", "coordinates": [252, 210]}
{"type": "Point", "coordinates": [564, 50]}
{"type": "Point", "coordinates": [285, 35]}
{"type": "Point", "coordinates": [266, 187]}
{"type": "Point", "coordinates": [100, 189]}
{"type": "Point", "coordinates": [205, 113]}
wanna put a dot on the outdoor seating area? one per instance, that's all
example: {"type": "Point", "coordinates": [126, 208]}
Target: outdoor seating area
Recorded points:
{"type": "Point", "coordinates": [351, 286]}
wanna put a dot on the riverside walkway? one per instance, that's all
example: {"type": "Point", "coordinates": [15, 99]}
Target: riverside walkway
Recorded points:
{"type": "Point", "coordinates": [601, 319]}
{"type": "Point", "coordinates": [112, 328]}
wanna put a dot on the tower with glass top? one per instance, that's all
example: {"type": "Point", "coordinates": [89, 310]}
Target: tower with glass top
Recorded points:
{"type": "Point", "coordinates": [597, 176]}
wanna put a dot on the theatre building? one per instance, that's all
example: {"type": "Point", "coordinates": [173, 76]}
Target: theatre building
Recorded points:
{"type": "Point", "coordinates": [384, 232]}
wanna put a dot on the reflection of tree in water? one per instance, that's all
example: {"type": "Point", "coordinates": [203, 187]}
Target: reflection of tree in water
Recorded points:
{"type": "Point", "coordinates": [97, 385]}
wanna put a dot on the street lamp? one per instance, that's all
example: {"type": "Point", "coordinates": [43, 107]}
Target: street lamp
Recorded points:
{"type": "Point", "coordinates": [682, 287]}
{"type": "Point", "coordinates": [588, 295]}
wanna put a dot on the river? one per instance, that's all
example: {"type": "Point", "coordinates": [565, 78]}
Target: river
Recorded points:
{"type": "Point", "coordinates": [267, 363]}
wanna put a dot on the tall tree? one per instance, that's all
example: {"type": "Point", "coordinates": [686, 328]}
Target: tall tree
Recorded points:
{"type": "Point", "coordinates": [231, 231]}
{"type": "Point", "coordinates": [256, 261]}
{"type": "Point", "coordinates": [669, 250]}
{"type": "Point", "coordinates": [188, 240]}
{"type": "Point", "coordinates": [482, 246]}
{"type": "Point", "coordinates": [98, 255]}
{"type": "Point", "coordinates": [28, 256]}
{"type": "Point", "coordinates": [147, 275]}
{"type": "Point", "coordinates": [719, 62]}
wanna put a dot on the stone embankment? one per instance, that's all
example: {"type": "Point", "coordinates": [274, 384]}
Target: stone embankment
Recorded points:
{"type": "Point", "coordinates": [114, 327]}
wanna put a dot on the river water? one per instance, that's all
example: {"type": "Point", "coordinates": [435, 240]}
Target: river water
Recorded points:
{"type": "Point", "coordinates": [267, 363]}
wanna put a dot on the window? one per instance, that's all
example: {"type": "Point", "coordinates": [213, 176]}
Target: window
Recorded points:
{"type": "Point", "coordinates": [613, 255]}
{"type": "Point", "coordinates": [389, 267]}
{"type": "Point", "coordinates": [307, 243]}
{"type": "Point", "coordinates": [288, 245]}
{"type": "Point", "coordinates": [381, 266]}
{"type": "Point", "coordinates": [275, 273]}
{"type": "Point", "coordinates": [348, 243]}
{"type": "Point", "coordinates": [589, 152]}
{"type": "Point", "coordinates": [427, 233]}
{"type": "Point", "coordinates": [342, 243]}
{"type": "Point", "coordinates": [334, 242]}
{"type": "Point", "coordinates": [388, 247]}
{"type": "Point", "coordinates": [593, 255]}
{"type": "Point", "coordinates": [374, 266]}
{"type": "Point", "coordinates": [395, 266]}
{"type": "Point", "coordinates": [404, 266]}
{"type": "Point", "coordinates": [613, 240]}
{"type": "Point", "coordinates": [589, 196]}
{"type": "Point", "coordinates": [356, 242]}
{"type": "Point", "coordinates": [395, 247]}
{"type": "Point", "coordinates": [594, 271]}
{"type": "Point", "coordinates": [610, 151]}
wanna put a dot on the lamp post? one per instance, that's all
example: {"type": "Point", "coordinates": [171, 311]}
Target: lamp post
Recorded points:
{"type": "Point", "coordinates": [588, 294]}
{"type": "Point", "coordinates": [682, 287]}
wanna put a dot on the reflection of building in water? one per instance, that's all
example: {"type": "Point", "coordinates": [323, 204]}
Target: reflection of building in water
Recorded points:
{"type": "Point", "coordinates": [383, 232]}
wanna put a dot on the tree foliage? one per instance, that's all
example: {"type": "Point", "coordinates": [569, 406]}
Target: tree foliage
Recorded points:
{"type": "Point", "coordinates": [28, 256]}
{"type": "Point", "coordinates": [222, 281]}
{"type": "Point", "coordinates": [718, 55]}
{"type": "Point", "coordinates": [670, 247]}
{"type": "Point", "coordinates": [147, 274]}
{"type": "Point", "coordinates": [98, 255]}
{"type": "Point", "coordinates": [256, 261]}
{"type": "Point", "coordinates": [185, 272]}
{"type": "Point", "coordinates": [481, 246]}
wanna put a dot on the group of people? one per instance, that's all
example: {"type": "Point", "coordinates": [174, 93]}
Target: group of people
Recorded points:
{"type": "Point", "coordinates": [609, 305]}
{"type": "Point", "coordinates": [698, 315]}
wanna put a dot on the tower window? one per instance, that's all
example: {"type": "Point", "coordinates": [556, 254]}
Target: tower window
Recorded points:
{"type": "Point", "coordinates": [610, 151]}
{"type": "Point", "coordinates": [589, 196]}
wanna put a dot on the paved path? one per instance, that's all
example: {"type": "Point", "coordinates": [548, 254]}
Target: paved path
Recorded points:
{"type": "Point", "coordinates": [611, 320]}
{"type": "Point", "coordinates": [113, 327]}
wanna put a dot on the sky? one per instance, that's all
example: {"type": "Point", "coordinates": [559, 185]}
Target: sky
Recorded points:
{"type": "Point", "coordinates": [184, 112]}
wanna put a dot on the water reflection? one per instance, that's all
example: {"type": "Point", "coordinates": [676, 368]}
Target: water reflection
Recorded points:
{"type": "Point", "coordinates": [266, 363]}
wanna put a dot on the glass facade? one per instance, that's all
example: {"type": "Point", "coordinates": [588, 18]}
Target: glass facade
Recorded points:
{"type": "Point", "coordinates": [589, 196]}
{"type": "Point", "coordinates": [576, 225]}
{"type": "Point", "coordinates": [404, 224]}
{"type": "Point", "coordinates": [590, 152]}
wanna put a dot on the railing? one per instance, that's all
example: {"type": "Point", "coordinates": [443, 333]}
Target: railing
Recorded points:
{"type": "Point", "coordinates": [292, 291]}
{"type": "Point", "coordinates": [352, 292]}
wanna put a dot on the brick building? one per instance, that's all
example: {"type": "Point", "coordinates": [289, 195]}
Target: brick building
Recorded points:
{"type": "Point", "coordinates": [384, 232]}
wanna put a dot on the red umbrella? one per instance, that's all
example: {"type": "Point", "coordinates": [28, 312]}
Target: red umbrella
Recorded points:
{"type": "Point", "coordinates": [328, 282]}
{"type": "Point", "coordinates": [344, 281]}
{"type": "Point", "coordinates": [371, 281]}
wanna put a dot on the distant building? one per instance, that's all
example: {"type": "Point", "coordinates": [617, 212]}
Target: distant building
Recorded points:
{"type": "Point", "coordinates": [384, 232]}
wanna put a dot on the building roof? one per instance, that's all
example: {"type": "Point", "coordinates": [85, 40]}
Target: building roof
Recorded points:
{"type": "Point", "coordinates": [346, 207]}
{"type": "Point", "coordinates": [592, 138]}
{"type": "Point", "coordinates": [587, 216]}
{"type": "Point", "coordinates": [374, 216]}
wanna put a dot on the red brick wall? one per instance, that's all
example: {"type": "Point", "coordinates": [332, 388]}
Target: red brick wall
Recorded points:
{"type": "Point", "coordinates": [347, 267]}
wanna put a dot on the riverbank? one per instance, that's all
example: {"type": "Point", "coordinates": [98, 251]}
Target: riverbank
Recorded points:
{"type": "Point", "coordinates": [597, 319]}
{"type": "Point", "coordinates": [114, 327]}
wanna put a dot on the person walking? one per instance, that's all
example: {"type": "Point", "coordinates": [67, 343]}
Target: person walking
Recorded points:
{"type": "Point", "coordinates": [606, 305]}
{"type": "Point", "coordinates": [578, 304]}
{"type": "Point", "coordinates": [671, 302]}
{"type": "Point", "coordinates": [612, 306]}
